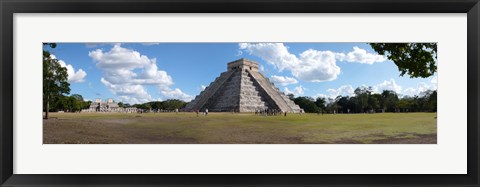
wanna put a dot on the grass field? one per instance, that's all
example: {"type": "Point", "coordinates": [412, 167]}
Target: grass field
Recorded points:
{"type": "Point", "coordinates": [228, 128]}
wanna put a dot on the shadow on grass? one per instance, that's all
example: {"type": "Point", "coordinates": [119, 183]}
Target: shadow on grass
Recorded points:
{"type": "Point", "coordinates": [403, 138]}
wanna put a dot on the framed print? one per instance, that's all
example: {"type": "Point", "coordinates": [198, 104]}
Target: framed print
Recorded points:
{"type": "Point", "coordinates": [347, 93]}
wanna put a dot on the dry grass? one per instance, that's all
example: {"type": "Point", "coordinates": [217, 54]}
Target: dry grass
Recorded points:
{"type": "Point", "coordinates": [228, 128]}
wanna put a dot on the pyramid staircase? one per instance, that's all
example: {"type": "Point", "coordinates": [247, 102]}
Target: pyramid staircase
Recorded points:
{"type": "Point", "coordinates": [242, 89]}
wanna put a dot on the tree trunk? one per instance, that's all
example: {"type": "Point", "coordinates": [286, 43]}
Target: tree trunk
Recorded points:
{"type": "Point", "coordinates": [46, 110]}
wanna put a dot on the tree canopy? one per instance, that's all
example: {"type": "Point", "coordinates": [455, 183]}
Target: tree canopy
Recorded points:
{"type": "Point", "coordinates": [170, 104]}
{"type": "Point", "coordinates": [414, 59]}
{"type": "Point", "coordinates": [55, 79]}
{"type": "Point", "coordinates": [71, 103]}
{"type": "Point", "coordinates": [365, 100]}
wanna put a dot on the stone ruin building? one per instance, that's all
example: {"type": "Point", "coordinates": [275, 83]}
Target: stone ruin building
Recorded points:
{"type": "Point", "coordinates": [107, 106]}
{"type": "Point", "coordinates": [101, 106]}
{"type": "Point", "coordinates": [242, 89]}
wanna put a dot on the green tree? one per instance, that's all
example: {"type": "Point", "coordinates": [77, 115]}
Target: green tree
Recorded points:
{"type": "Point", "coordinates": [414, 59]}
{"type": "Point", "coordinates": [144, 106]}
{"type": "Point", "coordinates": [75, 104]}
{"type": "Point", "coordinates": [291, 96]}
{"type": "Point", "coordinates": [307, 104]}
{"type": "Point", "coordinates": [427, 101]}
{"type": "Point", "coordinates": [353, 103]}
{"type": "Point", "coordinates": [374, 101]}
{"type": "Point", "coordinates": [405, 104]}
{"type": "Point", "coordinates": [321, 103]}
{"type": "Point", "coordinates": [389, 100]}
{"type": "Point", "coordinates": [432, 101]}
{"type": "Point", "coordinates": [78, 97]}
{"type": "Point", "coordinates": [61, 103]}
{"type": "Point", "coordinates": [157, 105]}
{"type": "Point", "coordinates": [173, 104]}
{"type": "Point", "coordinates": [55, 79]}
{"type": "Point", "coordinates": [362, 94]}
{"type": "Point", "coordinates": [86, 104]}
{"type": "Point", "coordinates": [344, 103]}
{"type": "Point", "coordinates": [332, 105]}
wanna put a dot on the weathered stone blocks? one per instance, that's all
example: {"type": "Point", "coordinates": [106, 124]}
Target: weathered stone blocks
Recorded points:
{"type": "Point", "coordinates": [242, 89]}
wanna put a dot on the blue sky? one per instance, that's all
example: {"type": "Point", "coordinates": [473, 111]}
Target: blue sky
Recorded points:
{"type": "Point", "coordinates": [142, 72]}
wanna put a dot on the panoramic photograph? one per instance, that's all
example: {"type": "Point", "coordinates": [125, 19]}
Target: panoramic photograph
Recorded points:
{"type": "Point", "coordinates": [240, 93]}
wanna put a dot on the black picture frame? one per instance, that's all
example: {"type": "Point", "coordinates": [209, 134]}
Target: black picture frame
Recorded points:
{"type": "Point", "coordinates": [10, 7]}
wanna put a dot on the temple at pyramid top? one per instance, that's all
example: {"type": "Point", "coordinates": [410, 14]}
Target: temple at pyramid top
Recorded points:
{"type": "Point", "coordinates": [242, 88]}
{"type": "Point", "coordinates": [243, 64]}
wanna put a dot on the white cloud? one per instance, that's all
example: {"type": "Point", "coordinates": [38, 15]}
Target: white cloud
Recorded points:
{"type": "Point", "coordinates": [410, 92]}
{"type": "Point", "coordinates": [126, 73]}
{"type": "Point", "coordinates": [327, 98]}
{"type": "Point", "coordinates": [359, 55]}
{"type": "Point", "coordinates": [284, 81]}
{"type": "Point", "coordinates": [317, 66]}
{"type": "Point", "coordinates": [348, 90]}
{"type": "Point", "coordinates": [387, 85]}
{"type": "Point", "coordinates": [128, 93]}
{"type": "Point", "coordinates": [73, 77]}
{"type": "Point", "coordinates": [299, 90]}
{"type": "Point", "coordinates": [273, 53]}
{"type": "Point", "coordinates": [424, 87]}
{"type": "Point", "coordinates": [202, 87]}
{"type": "Point", "coordinates": [310, 65]}
{"type": "Point", "coordinates": [176, 93]}
{"type": "Point", "coordinates": [132, 100]}
{"type": "Point", "coordinates": [119, 58]}
{"type": "Point", "coordinates": [345, 90]}
{"type": "Point", "coordinates": [421, 87]}
{"type": "Point", "coordinates": [321, 96]}
{"type": "Point", "coordinates": [434, 80]}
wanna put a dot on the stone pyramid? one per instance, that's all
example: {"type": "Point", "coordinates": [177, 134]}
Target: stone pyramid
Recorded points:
{"type": "Point", "coordinates": [242, 89]}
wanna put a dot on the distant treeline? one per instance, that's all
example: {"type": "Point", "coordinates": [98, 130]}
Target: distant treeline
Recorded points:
{"type": "Point", "coordinates": [170, 104]}
{"type": "Point", "coordinates": [73, 103]}
{"type": "Point", "coordinates": [76, 103]}
{"type": "Point", "coordinates": [365, 101]}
